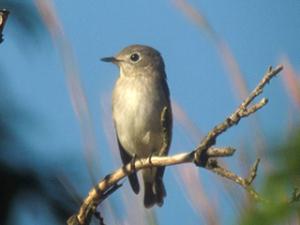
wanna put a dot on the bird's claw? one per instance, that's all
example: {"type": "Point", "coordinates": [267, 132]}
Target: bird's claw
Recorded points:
{"type": "Point", "coordinates": [150, 158]}
{"type": "Point", "coordinates": [132, 163]}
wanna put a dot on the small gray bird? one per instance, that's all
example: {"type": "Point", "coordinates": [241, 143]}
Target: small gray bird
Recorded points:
{"type": "Point", "coordinates": [139, 97]}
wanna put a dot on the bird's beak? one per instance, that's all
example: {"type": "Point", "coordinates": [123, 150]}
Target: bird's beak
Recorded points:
{"type": "Point", "coordinates": [111, 60]}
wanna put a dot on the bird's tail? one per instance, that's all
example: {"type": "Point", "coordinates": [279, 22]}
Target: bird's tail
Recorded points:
{"type": "Point", "coordinates": [154, 193]}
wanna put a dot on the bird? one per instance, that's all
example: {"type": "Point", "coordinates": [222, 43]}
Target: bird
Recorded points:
{"type": "Point", "coordinates": [139, 97]}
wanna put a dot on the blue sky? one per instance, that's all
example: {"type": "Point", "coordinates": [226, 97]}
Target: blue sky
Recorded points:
{"type": "Point", "coordinates": [259, 33]}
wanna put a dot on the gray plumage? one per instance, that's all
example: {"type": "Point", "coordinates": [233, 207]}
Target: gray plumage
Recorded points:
{"type": "Point", "coordinates": [140, 94]}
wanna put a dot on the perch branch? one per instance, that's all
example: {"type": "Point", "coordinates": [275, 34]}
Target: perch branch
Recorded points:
{"type": "Point", "coordinates": [204, 155]}
{"type": "Point", "coordinates": [3, 17]}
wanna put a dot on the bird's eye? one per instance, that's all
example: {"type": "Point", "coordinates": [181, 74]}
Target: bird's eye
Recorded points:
{"type": "Point", "coordinates": [135, 57]}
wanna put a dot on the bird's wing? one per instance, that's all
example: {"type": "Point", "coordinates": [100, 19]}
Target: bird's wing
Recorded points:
{"type": "Point", "coordinates": [126, 158]}
{"type": "Point", "coordinates": [168, 120]}
{"type": "Point", "coordinates": [167, 126]}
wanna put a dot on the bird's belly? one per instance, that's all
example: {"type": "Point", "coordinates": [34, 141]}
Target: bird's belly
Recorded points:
{"type": "Point", "coordinates": [137, 120]}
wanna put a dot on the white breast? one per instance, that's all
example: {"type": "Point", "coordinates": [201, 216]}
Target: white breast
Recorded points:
{"type": "Point", "coordinates": [137, 105]}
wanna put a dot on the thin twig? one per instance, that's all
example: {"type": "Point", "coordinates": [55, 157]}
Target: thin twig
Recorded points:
{"type": "Point", "coordinates": [234, 118]}
{"type": "Point", "coordinates": [220, 152]}
{"type": "Point", "coordinates": [100, 218]}
{"type": "Point", "coordinates": [201, 156]}
{"type": "Point", "coordinates": [253, 172]}
{"type": "Point", "coordinates": [213, 166]}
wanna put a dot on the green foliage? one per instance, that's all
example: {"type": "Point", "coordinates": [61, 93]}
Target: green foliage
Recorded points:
{"type": "Point", "coordinates": [281, 188]}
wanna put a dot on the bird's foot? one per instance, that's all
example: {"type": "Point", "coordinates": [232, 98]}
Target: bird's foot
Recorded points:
{"type": "Point", "coordinates": [132, 163]}
{"type": "Point", "coordinates": [150, 158]}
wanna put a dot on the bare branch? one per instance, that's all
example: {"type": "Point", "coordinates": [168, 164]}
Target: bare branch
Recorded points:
{"type": "Point", "coordinates": [213, 166]}
{"type": "Point", "coordinates": [3, 17]}
{"type": "Point", "coordinates": [220, 152]}
{"type": "Point", "coordinates": [234, 118]}
{"type": "Point", "coordinates": [201, 156]}
{"type": "Point", "coordinates": [253, 172]}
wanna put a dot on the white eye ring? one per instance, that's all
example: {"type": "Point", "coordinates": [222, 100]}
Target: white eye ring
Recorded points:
{"type": "Point", "coordinates": [135, 57]}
